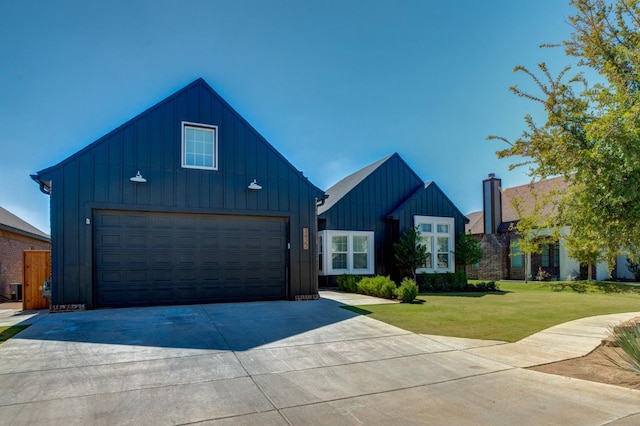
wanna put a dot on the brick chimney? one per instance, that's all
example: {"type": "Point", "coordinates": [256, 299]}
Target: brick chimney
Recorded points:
{"type": "Point", "coordinates": [492, 203]}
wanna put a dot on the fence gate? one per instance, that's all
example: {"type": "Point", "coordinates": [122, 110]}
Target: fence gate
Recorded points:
{"type": "Point", "coordinates": [37, 268]}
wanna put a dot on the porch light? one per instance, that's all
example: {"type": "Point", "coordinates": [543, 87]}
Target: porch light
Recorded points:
{"type": "Point", "coordinates": [254, 185]}
{"type": "Point", "coordinates": [138, 178]}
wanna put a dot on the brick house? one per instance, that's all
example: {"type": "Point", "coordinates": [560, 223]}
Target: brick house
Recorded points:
{"type": "Point", "coordinates": [16, 236]}
{"type": "Point", "coordinates": [492, 226]}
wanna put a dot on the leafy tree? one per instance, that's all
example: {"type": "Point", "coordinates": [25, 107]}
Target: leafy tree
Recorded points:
{"type": "Point", "coordinates": [410, 254]}
{"type": "Point", "coordinates": [591, 135]}
{"type": "Point", "coordinates": [537, 225]}
{"type": "Point", "coordinates": [468, 250]}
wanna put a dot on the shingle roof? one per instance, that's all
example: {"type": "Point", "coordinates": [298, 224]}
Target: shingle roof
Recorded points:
{"type": "Point", "coordinates": [525, 195]}
{"type": "Point", "coordinates": [342, 188]}
{"type": "Point", "coordinates": [476, 223]}
{"type": "Point", "coordinates": [418, 193]}
{"type": "Point", "coordinates": [13, 223]}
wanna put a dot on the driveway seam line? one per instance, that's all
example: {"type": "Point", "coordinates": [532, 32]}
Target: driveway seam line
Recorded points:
{"type": "Point", "coordinates": [244, 368]}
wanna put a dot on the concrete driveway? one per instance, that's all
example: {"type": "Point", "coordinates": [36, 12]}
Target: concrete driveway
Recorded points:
{"type": "Point", "coordinates": [278, 363]}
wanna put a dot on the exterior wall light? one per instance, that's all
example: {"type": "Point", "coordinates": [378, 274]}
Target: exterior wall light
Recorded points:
{"type": "Point", "coordinates": [138, 178]}
{"type": "Point", "coordinates": [254, 185]}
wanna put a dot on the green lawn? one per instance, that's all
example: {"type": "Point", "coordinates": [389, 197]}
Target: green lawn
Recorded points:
{"type": "Point", "coordinates": [519, 310]}
{"type": "Point", "coordinates": [8, 332]}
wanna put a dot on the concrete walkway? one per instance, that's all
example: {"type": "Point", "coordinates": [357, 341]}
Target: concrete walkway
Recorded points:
{"type": "Point", "coordinates": [283, 363]}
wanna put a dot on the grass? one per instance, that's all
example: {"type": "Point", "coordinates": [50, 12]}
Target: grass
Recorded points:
{"type": "Point", "coordinates": [515, 312]}
{"type": "Point", "coordinates": [8, 332]}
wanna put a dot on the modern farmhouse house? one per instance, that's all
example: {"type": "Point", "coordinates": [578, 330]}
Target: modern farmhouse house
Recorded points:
{"type": "Point", "coordinates": [366, 212]}
{"type": "Point", "coordinates": [185, 203]}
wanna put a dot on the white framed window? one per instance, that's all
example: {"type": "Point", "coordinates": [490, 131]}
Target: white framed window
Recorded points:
{"type": "Point", "coordinates": [199, 146]}
{"type": "Point", "coordinates": [437, 235]}
{"type": "Point", "coordinates": [346, 252]}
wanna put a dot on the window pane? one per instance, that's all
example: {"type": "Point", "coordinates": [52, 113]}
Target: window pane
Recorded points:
{"type": "Point", "coordinates": [199, 147]}
{"type": "Point", "coordinates": [443, 244]}
{"type": "Point", "coordinates": [339, 244]}
{"type": "Point", "coordinates": [545, 256]}
{"type": "Point", "coordinates": [424, 227]}
{"type": "Point", "coordinates": [443, 261]}
{"type": "Point", "coordinates": [429, 261]}
{"type": "Point", "coordinates": [516, 257]}
{"type": "Point", "coordinates": [360, 244]}
{"type": "Point", "coordinates": [339, 261]}
{"type": "Point", "coordinates": [427, 242]}
{"type": "Point", "coordinates": [360, 260]}
{"type": "Point", "coordinates": [443, 228]}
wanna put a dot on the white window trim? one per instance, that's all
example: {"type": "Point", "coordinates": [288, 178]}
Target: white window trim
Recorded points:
{"type": "Point", "coordinates": [214, 129]}
{"type": "Point", "coordinates": [327, 269]}
{"type": "Point", "coordinates": [435, 221]}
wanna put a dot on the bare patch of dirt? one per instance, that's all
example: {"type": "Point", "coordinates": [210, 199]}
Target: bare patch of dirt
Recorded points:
{"type": "Point", "coordinates": [594, 367]}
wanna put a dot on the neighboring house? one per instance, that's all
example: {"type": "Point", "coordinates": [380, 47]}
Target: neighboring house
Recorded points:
{"type": "Point", "coordinates": [16, 236]}
{"type": "Point", "coordinates": [493, 227]}
{"type": "Point", "coordinates": [366, 212]}
{"type": "Point", "coordinates": [185, 203]}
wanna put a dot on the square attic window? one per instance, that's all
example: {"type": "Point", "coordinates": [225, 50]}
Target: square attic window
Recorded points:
{"type": "Point", "coordinates": [199, 146]}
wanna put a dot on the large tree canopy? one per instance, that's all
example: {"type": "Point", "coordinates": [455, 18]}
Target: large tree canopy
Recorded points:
{"type": "Point", "coordinates": [592, 132]}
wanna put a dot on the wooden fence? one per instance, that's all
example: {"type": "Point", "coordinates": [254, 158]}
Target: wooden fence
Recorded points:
{"type": "Point", "coordinates": [37, 268]}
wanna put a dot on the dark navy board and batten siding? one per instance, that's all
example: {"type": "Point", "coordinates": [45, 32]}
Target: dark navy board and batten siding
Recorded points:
{"type": "Point", "coordinates": [367, 205]}
{"type": "Point", "coordinates": [97, 178]}
{"type": "Point", "coordinates": [386, 202]}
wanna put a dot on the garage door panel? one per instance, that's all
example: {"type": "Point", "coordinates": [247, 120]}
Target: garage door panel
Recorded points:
{"type": "Point", "coordinates": [164, 258]}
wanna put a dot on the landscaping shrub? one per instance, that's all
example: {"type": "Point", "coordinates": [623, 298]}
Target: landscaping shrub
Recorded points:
{"type": "Point", "coordinates": [483, 287]}
{"type": "Point", "coordinates": [452, 282]}
{"type": "Point", "coordinates": [379, 286]}
{"type": "Point", "coordinates": [407, 291]}
{"type": "Point", "coordinates": [443, 282]}
{"type": "Point", "coordinates": [348, 282]}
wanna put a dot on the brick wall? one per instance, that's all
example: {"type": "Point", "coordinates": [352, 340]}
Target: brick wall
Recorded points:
{"type": "Point", "coordinates": [494, 264]}
{"type": "Point", "coordinates": [11, 248]}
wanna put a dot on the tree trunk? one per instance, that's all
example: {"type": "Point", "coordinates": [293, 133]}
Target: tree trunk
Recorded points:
{"type": "Point", "coordinates": [589, 275]}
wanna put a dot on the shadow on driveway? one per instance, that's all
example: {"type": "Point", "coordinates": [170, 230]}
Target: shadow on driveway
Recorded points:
{"type": "Point", "coordinates": [230, 326]}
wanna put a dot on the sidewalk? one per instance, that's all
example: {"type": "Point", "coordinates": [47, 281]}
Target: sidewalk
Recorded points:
{"type": "Point", "coordinates": [564, 341]}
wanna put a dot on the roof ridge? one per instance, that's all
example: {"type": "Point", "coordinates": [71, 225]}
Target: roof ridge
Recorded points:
{"type": "Point", "coordinates": [341, 188]}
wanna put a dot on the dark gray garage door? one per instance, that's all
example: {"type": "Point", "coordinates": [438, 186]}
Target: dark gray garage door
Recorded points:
{"type": "Point", "coordinates": [143, 258]}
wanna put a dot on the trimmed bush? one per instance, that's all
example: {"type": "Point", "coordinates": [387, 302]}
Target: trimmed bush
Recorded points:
{"type": "Point", "coordinates": [443, 282]}
{"type": "Point", "coordinates": [483, 287]}
{"type": "Point", "coordinates": [452, 282]}
{"type": "Point", "coordinates": [349, 283]}
{"type": "Point", "coordinates": [407, 291]}
{"type": "Point", "coordinates": [378, 286]}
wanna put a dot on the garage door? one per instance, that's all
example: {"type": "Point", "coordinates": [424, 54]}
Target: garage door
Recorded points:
{"type": "Point", "coordinates": [143, 258]}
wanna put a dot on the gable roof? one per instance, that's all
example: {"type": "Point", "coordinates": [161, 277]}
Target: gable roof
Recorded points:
{"type": "Point", "coordinates": [343, 187]}
{"type": "Point", "coordinates": [12, 223]}
{"type": "Point", "coordinates": [418, 193]}
{"type": "Point", "coordinates": [43, 176]}
{"type": "Point", "coordinates": [526, 195]}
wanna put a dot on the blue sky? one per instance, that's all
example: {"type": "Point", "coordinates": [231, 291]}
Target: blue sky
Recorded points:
{"type": "Point", "coordinates": [333, 85]}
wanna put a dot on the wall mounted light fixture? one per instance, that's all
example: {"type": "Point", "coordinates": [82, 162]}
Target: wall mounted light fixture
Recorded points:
{"type": "Point", "coordinates": [254, 185]}
{"type": "Point", "coordinates": [138, 178]}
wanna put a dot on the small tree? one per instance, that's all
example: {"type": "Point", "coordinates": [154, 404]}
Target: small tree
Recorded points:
{"type": "Point", "coordinates": [468, 250]}
{"type": "Point", "coordinates": [536, 225]}
{"type": "Point", "coordinates": [410, 254]}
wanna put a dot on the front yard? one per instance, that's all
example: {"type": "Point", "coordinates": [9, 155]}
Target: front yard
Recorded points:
{"type": "Point", "coordinates": [515, 312]}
